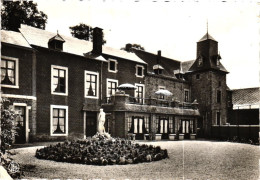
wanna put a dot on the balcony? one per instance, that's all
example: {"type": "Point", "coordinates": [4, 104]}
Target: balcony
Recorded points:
{"type": "Point", "coordinates": [124, 102]}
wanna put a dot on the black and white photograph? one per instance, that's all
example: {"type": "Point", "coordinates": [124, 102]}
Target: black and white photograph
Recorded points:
{"type": "Point", "coordinates": [130, 89]}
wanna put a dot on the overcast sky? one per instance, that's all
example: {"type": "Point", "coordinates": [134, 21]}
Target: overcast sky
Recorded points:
{"type": "Point", "coordinates": [172, 27]}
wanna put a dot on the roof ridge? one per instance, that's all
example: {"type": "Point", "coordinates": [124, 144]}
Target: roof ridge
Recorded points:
{"type": "Point", "coordinates": [156, 55]}
{"type": "Point", "coordinates": [246, 88]}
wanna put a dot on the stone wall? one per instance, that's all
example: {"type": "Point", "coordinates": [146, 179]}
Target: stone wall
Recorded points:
{"type": "Point", "coordinates": [175, 86]}
{"type": "Point", "coordinates": [204, 90]}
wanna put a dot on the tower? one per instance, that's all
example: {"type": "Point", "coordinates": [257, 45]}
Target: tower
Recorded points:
{"type": "Point", "coordinates": [208, 85]}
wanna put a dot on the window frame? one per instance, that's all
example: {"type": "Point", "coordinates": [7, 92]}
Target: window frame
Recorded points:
{"type": "Point", "coordinates": [219, 98]}
{"type": "Point", "coordinates": [200, 61]}
{"type": "Point", "coordinates": [171, 125]}
{"type": "Point", "coordinates": [136, 71]}
{"type": "Point", "coordinates": [52, 107]}
{"type": "Point", "coordinates": [109, 70]}
{"type": "Point", "coordinates": [85, 84]}
{"type": "Point", "coordinates": [111, 80]}
{"type": "Point", "coordinates": [197, 76]}
{"type": "Point", "coordinates": [217, 62]}
{"type": "Point", "coordinates": [143, 85]}
{"type": "Point", "coordinates": [188, 98]}
{"type": "Point", "coordinates": [66, 80]}
{"type": "Point", "coordinates": [16, 73]}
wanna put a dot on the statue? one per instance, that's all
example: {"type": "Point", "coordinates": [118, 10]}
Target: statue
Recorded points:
{"type": "Point", "coordinates": [101, 122]}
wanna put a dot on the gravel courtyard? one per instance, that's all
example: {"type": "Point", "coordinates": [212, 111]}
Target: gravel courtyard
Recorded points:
{"type": "Point", "coordinates": [188, 160]}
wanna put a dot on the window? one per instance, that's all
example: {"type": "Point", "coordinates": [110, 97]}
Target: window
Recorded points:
{"type": "Point", "coordinates": [129, 123]}
{"type": "Point", "coordinates": [147, 122]}
{"type": "Point", "coordinates": [162, 124]}
{"type": "Point", "coordinates": [185, 126]}
{"type": "Point", "coordinates": [186, 95]}
{"type": "Point", "coordinates": [19, 120]}
{"type": "Point", "coordinates": [59, 120]}
{"type": "Point", "coordinates": [112, 66]}
{"type": "Point", "coordinates": [197, 76]}
{"type": "Point", "coordinates": [138, 125]}
{"type": "Point", "coordinates": [59, 80]}
{"type": "Point", "coordinates": [218, 118]}
{"type": "Point", "coordinates": [91, 84]}
{"type": "Point", "coordinates": [217, 62]}
{"type": "Point", "coordinates": [139, 93]}
{"type": "Point", "coordinates": [200, 61]}
{"type": "Point", "coordinates": [219, 83]}
{"type": "Point", "coordinates": [191, 126]}
{"type": "Point", "coordinates": [157, 123]}
{"type": "Point", "coordinates": [111, 87]}
{"type": "Point", "coordinates": [218, 96]}
{"type": "Point", "coordinates": [171, 125]}
{"type": "Point", "coordinates": [139, 71]}
{"type": "Point", "coordinates": [9, 72]}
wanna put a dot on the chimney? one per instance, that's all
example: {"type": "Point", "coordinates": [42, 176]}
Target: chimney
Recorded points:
{"type": "Point", "coordinates": [97, 41]}
{"type": "Point", "coordinates": [128, 47]}
{"type": "Point", "coordinates": [159, 57]}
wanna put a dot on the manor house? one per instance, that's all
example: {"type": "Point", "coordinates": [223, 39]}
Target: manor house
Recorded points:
{"type": "Point", "coordinates": [58, 84]}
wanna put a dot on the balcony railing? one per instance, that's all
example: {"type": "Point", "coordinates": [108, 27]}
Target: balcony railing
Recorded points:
{"type": "Point", "coordinates": [159, 102]}
{"type": "Point", "coordinates": [154, 102]}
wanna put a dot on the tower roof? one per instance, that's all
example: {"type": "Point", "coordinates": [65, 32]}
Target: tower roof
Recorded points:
{"type": "Point", "coordinates": [58, 38]}
{"type": "Point", "coordinates": [206, 36]}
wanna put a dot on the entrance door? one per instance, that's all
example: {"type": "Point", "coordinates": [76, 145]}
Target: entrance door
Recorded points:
{"type": "Point", "coordinates": [20, 124]}
{"type": "Point", "coordinates": [91, 124]}
{"type": "Point", "coordinates": [186, 128]}
{"type": "Point", "coordinates": [138, 127]}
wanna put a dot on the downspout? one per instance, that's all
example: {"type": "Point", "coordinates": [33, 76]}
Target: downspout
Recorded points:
{"type": "Point", "coordinates": [101, 82]}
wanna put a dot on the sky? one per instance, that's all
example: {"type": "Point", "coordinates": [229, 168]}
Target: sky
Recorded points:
{"type": "Point", "coordinates": [173, 27]}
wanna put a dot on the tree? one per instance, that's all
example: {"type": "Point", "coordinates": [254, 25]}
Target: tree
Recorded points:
{"type": "Point", "coordinates": [84, 31]}
{"type": "Point", "coordinates": [15, 13]}
{"type": "Point", "coordinates": [128, 47]}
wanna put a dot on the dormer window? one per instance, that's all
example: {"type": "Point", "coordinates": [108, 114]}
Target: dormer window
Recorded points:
{"type": "Point", "coordinates": [158, 69]}
{"type": "Point", "coordinates": [179, 74]}
{"type": "Point", "coordinates": [200, 61]}
{"type": "Point", "coordinates": [112, 66]}
{"type": "Point", "coordinates": [56, 43]}
{"type": "Point", "coordinates": [217, 62]}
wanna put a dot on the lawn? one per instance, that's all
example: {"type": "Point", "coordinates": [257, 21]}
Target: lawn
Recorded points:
{"type": "Point", "coordinates": [188, 160]}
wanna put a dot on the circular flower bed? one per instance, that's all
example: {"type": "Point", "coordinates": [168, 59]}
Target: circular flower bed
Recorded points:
{"type": "Point", "coordinates": [100, 150]}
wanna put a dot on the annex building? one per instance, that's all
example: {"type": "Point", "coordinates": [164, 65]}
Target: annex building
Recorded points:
{"type": "Point", "coordinates": [58, 84]}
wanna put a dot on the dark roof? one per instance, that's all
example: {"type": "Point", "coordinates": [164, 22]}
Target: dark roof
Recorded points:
{"type": "Point", "coordinates": [39, 37]}
{"type": "Point", "coordinates": [247, 96]}
{"type": "Point", "coordinates": [185, 65]}
{"type": "Point", "coordinates": [206, 36]}
{"type": "Point", "coordinates": [207, 64]}
{"type": "Point", "coordinates": [168, 64]}
{"type": "Point", "coordinates": [14, 38]}
{"type": "Point", "coordinates": [58, 38]}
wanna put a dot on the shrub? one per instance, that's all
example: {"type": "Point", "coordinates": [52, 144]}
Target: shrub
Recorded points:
{"type": "Point", "coordinates": [101, 150]}
{"type": "Point", "coordinates": [8, 132]}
